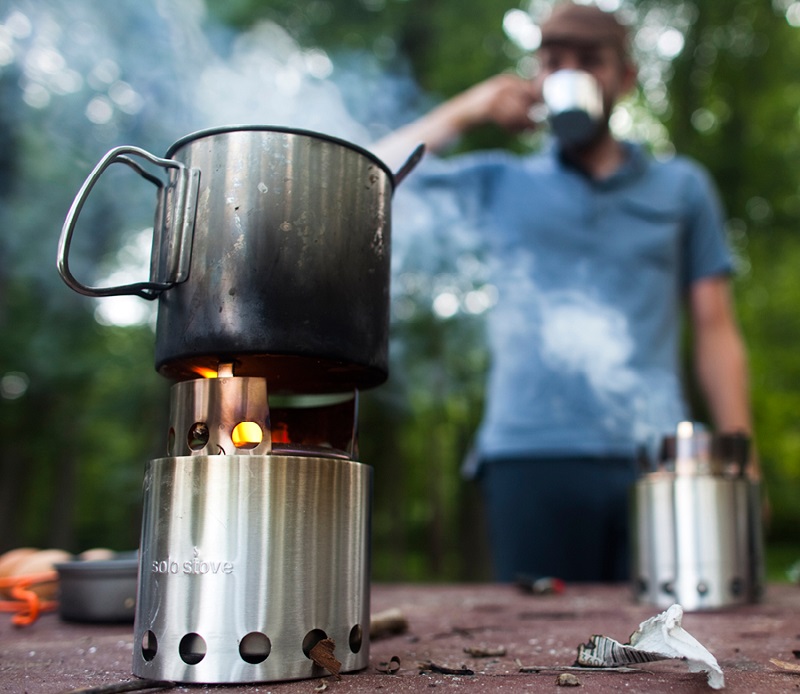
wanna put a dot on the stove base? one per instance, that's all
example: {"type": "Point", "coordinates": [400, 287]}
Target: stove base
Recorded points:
{"type": "Point", "coordinates": [698, 541]}
{"type": "Point", "coordinates": [247, 562]}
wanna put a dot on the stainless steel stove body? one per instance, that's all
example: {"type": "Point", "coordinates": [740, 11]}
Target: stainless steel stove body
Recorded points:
{"type": "Point", "coordinates": [252, 551]}
{"type": "Point", "coordinates": [697, 525]}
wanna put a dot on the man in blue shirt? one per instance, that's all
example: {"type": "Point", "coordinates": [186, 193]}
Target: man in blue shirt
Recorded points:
{"type": "Point", "coordinates": [596, 248]}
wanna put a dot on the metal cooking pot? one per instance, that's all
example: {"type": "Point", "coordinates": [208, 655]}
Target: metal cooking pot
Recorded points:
{"type": "Point", "coordinates": [271, 249]}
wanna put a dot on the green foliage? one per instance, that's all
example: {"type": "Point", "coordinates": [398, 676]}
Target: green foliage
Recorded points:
{"type": "Point", "coordinates": [426, 519]}
{"type": "Point", "coordinates": [76, 441]}
{"type": "Point", "coordinates": [768, 300]}
{"type": "Point", "coordinates": [734, 107]}
{"type": "Point", "coordinates": [78, 436]}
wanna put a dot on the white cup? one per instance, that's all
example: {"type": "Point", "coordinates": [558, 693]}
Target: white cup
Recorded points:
{"type": "Point", "coordinates": [574, 106]}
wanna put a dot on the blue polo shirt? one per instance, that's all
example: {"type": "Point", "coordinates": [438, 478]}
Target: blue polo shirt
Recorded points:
{"type": "Point", "coordinates": [591, 278]}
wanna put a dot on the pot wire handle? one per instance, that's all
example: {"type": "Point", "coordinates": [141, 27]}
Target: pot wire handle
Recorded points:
{"type": "Point", "coordinates": [184, 183]}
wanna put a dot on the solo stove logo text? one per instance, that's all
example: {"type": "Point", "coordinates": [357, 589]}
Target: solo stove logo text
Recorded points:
{"type": "Point", "coordinates": [193, 567]}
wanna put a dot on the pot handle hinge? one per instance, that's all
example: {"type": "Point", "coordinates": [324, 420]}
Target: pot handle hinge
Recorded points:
{"type": "Point", "coordinates": [173, 229]}
{"type": "Point", "coordinates": [409, 164]}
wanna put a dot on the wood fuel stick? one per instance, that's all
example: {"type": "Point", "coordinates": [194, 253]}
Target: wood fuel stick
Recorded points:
{"type": "Point", "coordinates": [322, 655]}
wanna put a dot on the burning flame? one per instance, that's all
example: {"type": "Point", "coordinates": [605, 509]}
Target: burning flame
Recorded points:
{"type": "Point", "coordinates": [224, 370]}
{"type": "Point", "coordinates": [205, 372]}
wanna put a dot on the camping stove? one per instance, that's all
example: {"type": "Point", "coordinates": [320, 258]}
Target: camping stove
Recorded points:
{"type": "Point", "coordinates": [270, 264]}
{"type": "Point", "coordinates": [697, 524]}
{"type": "Point", "coordinates": [255, 537]}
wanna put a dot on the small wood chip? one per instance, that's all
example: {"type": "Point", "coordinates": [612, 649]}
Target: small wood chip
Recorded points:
{"type": "Point", "coordinates": [567, 679]}
{"type": "Point", "coordinates": [322, 655]}
{"type": "Point", "coordinates": [390, 667]}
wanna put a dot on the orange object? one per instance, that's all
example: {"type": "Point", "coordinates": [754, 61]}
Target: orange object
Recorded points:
{"type": "Point", "coordinates": [25, 603]}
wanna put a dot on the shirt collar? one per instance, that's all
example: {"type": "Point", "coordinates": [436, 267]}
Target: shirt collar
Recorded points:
{"type": "Point", "coordinates": [634, 165]}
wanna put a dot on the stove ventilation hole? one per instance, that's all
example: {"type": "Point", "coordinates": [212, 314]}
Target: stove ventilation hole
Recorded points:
{"type": "Point", "coordinates": [255, 648]}
{"type": "Point", "coordinates": [198, 436]}
{"type": "Point", "coordinates": [356, 638]}
{"type": "Point", "coordinates": [171, 441]}
{"type": "Point", "coordinates": [737, 587]}
{"type": "Point", "coordinates": [192, 649]}
{"type": "Point", "coordinates": [312, 638]}
{"type": "Point", "coordinates": [149, 646]}
{"type": "Point", "coordinates": [247, 435]}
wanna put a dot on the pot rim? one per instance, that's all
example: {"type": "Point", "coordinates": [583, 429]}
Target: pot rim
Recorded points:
{"type": "Point", "coordinates": [223, 129]}
{"type": "Point", "coordinates": [79, 568]}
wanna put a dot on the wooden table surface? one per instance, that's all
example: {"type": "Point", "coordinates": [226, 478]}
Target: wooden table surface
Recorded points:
{"type": "Point", "coordinates": [540, 632]}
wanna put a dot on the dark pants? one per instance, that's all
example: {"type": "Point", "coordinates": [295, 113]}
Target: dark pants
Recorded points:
{"type": "Point", "coordinates": [561, 517]}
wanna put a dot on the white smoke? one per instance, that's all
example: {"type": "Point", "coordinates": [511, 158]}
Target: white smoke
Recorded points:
{"type": "Point", "coordinates": [580, 335]}
{"type": "Point", "coordinates": [92, 74]}
{"type": "Point", "coordinates": [576, 334]}
{"type": "Point", "coordinates": [164, 66]}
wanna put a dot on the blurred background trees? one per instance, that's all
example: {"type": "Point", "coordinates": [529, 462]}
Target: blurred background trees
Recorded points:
{"type": "Point", "coordinates": [81, 407]}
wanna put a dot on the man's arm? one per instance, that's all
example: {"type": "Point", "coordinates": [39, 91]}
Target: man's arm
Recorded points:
{"type": "Point", "coordinates": [720, 358]}
{"type": "Point", "coordinates": [504, 99]}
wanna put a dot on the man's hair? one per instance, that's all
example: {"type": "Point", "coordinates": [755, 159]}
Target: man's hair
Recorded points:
{"type": "Point", "coordinates": [573, 24]}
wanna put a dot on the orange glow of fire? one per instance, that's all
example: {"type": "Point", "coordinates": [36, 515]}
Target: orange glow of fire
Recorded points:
{"type": "Point", "coordinates": [205, 372]}
{"type": "Point", "coordinates": [280, 433]}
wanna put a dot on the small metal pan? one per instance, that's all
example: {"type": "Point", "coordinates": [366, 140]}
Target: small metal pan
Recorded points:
{"type": "Point", "coordinates": [98, 591]}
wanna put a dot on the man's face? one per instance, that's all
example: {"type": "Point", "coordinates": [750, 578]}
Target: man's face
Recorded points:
{"type": "Point", "coordinates": [602, 61]}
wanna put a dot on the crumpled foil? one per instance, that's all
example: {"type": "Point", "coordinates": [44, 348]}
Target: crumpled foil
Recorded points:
{"type": "Point", "coordinates": [659, 638]}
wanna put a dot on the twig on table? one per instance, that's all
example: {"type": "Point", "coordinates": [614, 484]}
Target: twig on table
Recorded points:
{"type": "Point", "coordinates": [578, 668]}
{"type": "Point", "coordinates": [120, 687]}
{"type": "Point", "coordinates": [485, 651]}
{"type": "Point", "coordinates": [785, 665]}
{"type": "Point", "coordinates": [428, 666]}
{"type": "Point", "coordinates": [387, 623]}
